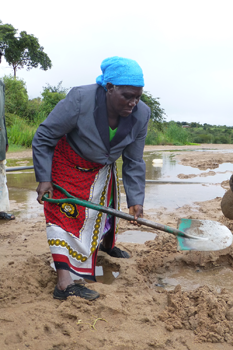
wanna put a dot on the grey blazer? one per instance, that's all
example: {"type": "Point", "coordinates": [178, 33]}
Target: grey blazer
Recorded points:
{"type": "Point", "coordinates": [3, 133]}
{"type": "Point", "coordinates": [82, 116]}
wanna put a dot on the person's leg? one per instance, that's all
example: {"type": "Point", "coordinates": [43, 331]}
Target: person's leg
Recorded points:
{"type": "Point", "coordinates": [66, 287]}
{"type": "Point", "coordinates": [4, 195]}
{"type": "Point", "coordinates": [105, 246]}
{"type": "Point", "coordinates": [63, 279]}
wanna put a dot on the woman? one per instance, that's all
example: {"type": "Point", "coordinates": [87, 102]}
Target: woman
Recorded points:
{"type": "Point", "coordinates": [76, 148]}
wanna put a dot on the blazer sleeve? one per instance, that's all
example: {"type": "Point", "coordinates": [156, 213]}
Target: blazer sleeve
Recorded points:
{"type": "Point", "coordinates": [6, 132]}
{"type": "Point", "coordinates": [134, 168]}
{"type": "Point", "coordinates": [59, 122]}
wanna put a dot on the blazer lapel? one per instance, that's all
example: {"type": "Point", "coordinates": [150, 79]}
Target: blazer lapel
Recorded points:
{"type": "Point", "coordinates": [125, 126]}
{"type": "Point", "coordinates": [101, 116]}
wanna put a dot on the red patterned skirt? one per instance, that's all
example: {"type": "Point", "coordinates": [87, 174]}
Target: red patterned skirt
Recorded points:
{"type": "Point", "coordinates": [74, 232]}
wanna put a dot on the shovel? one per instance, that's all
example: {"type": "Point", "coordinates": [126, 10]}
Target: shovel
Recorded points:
{"type": "Point", "coordinates": [201, 235]}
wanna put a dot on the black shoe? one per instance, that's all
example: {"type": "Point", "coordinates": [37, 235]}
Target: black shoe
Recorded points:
{"type": "Point", "coordinates": [77, 290]}
{"type": "Point", "coordinates": [114, 252]}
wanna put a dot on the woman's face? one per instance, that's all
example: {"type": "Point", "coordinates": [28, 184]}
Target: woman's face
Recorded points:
{"type": "Point", "coordinates": [122, 99]}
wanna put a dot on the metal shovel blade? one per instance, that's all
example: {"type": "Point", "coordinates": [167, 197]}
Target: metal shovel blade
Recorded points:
{"type": "Point", "coordinates": [215, 236]}
{"type": "Point", "coordinates": [202, 235]}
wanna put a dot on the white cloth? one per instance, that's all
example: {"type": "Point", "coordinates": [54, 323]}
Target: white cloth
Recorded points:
{"type": "Point", "coordinates": [4, 196]}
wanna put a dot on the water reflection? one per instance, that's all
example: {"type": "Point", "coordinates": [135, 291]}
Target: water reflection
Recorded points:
{"type": "Point", "coordinates": [22, 179]}
{"type": "Point", "coordinates": [24, 204]}
{"type": "Point", "coordinates": [167, 195]}
{"type": "Point", "coordinates": [190, 278]}
{"type": "Point", "coordinates": [173, 196]}
{"type": "Point", "coordinates": [22, 192]}
{"type": "Point", "coordinates": [133, 236]}
{"type": "Point", "coordinates": [171, 168]}
{"type": "Point", "coordinates": [19, 162]}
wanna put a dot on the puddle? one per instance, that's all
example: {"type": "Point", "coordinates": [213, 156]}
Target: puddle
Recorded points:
{"type": "Point", "coordinates": [24, 204]}
{"type": "Point", "coordinates": [21, 180]}
{"type": "Point", "coordinates": [157, 195]}
{"type": "Point", "coordinates": [173, 196]}
{"type": "Point", "coordinates": [104, 274]}
{"type": "Point", "coordinates": [169, 168]}
{"type": "Point", "coordinates": [190, 278]}
{"type": "Point", "coordinates": [139, 237]}
{"type": "Point", "coordinates": [22, 193]}
{"type": "Point", "coordinates": [19, 162]}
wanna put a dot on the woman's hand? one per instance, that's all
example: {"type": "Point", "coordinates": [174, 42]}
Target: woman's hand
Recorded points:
{"type": "Point", "coordinates": [231, 182]}
{"type": "Point", "coordinates": [44, 187]}
{"type": "Point", "coordinates": [136, 211]}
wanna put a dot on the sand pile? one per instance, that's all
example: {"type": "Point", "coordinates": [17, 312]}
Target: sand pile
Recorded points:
{"type": "Point", "coordinates": [208, 314]}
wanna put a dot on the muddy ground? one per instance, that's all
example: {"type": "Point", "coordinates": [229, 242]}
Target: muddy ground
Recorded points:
{"type": "Point", "coordinates": [132, 312]}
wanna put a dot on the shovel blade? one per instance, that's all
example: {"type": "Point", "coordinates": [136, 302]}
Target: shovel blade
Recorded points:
{"type": "Point", "coordinates": [214, 236]}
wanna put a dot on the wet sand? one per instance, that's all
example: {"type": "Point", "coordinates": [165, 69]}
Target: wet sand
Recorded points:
{"type": "Point", "coordinates": [134, 311]}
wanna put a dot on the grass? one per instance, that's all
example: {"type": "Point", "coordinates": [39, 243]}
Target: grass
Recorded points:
{"type": "Point", "coordinates": [16, 148]}
{"type": "Point", "coordinates": [20, 132]}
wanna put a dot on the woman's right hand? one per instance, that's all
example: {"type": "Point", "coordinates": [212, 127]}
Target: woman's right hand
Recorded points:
{"type": "Point", "coordinates": [44, 187]}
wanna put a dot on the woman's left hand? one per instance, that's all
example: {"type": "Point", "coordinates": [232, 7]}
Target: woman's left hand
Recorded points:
{"type": "Point", "coordinates": [136, 211]}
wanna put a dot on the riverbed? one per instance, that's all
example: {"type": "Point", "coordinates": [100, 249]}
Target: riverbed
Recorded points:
{"type": "Point", "coordinates": [160, 298]}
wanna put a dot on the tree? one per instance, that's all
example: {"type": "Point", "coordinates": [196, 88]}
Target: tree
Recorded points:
{"type": "Point", "coordinates": [16, 96]}
{"type": "Point", "coordinates": [22, 50]}
{"type": "Point", "coordinates": [59, 88]}
{"type": "Point", "coordinates": [51, 96]}
{"type": "Point", "coordinates": [157, 113]}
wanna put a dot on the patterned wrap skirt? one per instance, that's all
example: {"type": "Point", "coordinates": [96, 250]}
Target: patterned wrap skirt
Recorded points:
{"type": "Point", "coordinates": [74, 232]}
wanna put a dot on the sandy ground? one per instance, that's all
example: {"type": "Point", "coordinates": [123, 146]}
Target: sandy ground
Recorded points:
{"type": "Point", "coordinates": [131, 313]}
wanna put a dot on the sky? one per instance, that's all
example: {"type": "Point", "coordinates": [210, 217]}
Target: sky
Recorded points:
{"type": "Point", "coordinates": [185, 48]}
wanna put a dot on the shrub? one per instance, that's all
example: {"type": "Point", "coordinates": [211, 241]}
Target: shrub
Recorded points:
{"type": "Point", "coordinates": [20, 132]}
{"type": "Point", "coordinates": [16, 97]}
{"type": "Point", "coordinates": [176, 134]}
{"type": "Point", "coordinates": [203, 138]}
{"type": "Point", "coordinates": [33, 108]}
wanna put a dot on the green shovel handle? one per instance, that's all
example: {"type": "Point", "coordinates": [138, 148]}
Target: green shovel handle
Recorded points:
{"type": "Point", "coordinates": [74, 200]}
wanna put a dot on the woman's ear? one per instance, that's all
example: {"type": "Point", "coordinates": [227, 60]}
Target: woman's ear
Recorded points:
{"type": "Point", "coordinates": [109, 87]}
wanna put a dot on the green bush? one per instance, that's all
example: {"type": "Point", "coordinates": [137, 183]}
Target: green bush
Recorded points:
{"type": "Point", "coordinates": [51, 96]}
{"type": "Point", "coordinates": [221, 139]}
{"type": "Point", "coordinates": [50, 100]}
{"type": "Point", "coordinates": [33, 108]}
{"type": "Point", "coordinates": [203, 138]}
{"type": "Point", "coordinates": [171, 134]}
{"type": "Point", "coordinates": [16, 97]}
{"type": "Point", "coordinates": [9, 119]}
{"type": "Point", "coordinates": [20, 132]}
{"type": "Point", "coordinates": [176, 134]}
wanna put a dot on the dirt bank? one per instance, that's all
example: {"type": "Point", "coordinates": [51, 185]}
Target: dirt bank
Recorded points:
{"type": "Point", "coordinates": [132, 313]}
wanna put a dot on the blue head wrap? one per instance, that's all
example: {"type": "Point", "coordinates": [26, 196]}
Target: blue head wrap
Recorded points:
{"type": "Point", "coordinates": [120, 71]}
